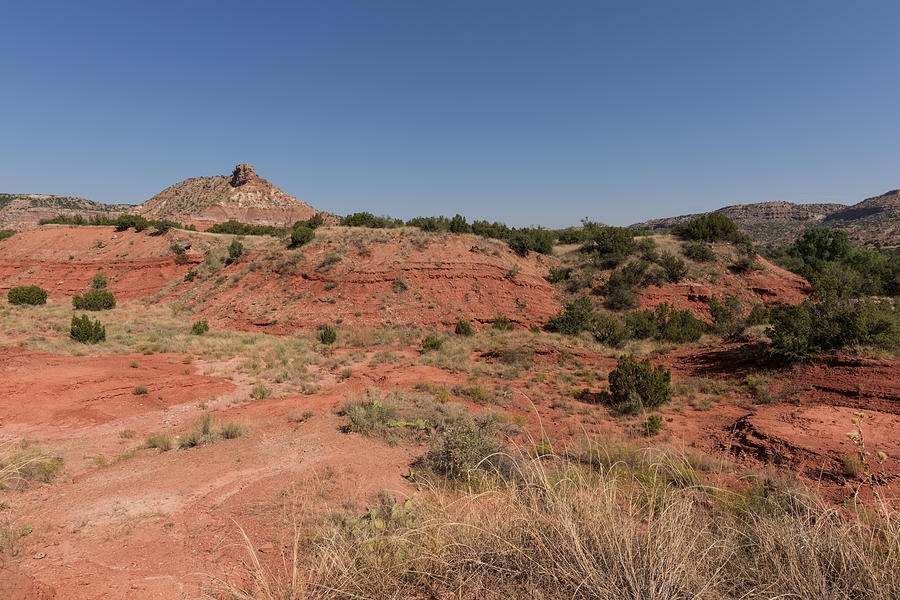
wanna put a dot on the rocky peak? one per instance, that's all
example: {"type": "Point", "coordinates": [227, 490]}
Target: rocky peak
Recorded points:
{"type": "Point", "coordinates": [242, 174]}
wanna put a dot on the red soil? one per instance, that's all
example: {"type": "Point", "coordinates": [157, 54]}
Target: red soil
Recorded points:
{"type": "Point", "coordinates": [413, 279]}
{"type": "Point", "coordinates": [768, 285]}
{"type": "Point", "coordinates": [63, 260]}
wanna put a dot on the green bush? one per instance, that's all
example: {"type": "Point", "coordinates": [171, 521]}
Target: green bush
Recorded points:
{"type": "Point", "coordinates": [27, 294]}
{"type": "Point", "coordinates": [803, 332]}
{"type": "Point", "coordinates": [699, 252]}
{"type": "Point", "coordinates": [99, 282]}
{"type": "Point", "coordinates": [558, 274]}
{"type": "Point", "coordinates": [712, 227]}
{"type": "Point", "coordinates": [86, 331]}
{"type": "Point", "coordinates": [503, 324]}
{"type": "Point", "coordinates": [609, 330]}
{"type": "Point", "coordinates": [137, 222]}
{"type": "Point", "coordinates": [726, 314]}
{"type": "Point", "coordinates": [463, 328]}
{"type": "Point", "coordinates": [759, 315]}
{"type": "Point", "coordinates": [620, 299]}
{"type": "Point", "coordinates": [367, 219]}
{"type": "Point", "coordinates": [95, 300]}
{"type": "Point", "coordinates": [458, 224]}
{"type": "Point", "coordinates": [605, 240]}
{"type": "Point", "coordinates": [674, 267]}
{"type": "Point", "coordinates": [301, 234]}
{"type": "Point", "coordinates": [631, 376]}
{"type": "Point", "coordinates": [235, 251]}
{"type": "Point", "coordinates": [327, 335]}
{"type": "Point", "coordinates": [531, 239]}
{"type": "Point", "coordinates": [679, 326]}
{"type": "Point", "coordinates": [641, 324]}
{"type": "Point", "coordinates": [5, 234]}
{"type": "Point", "coordinates": [431, 342]}
{"type": "Point", "coordinates": [652, 426]}
{"type": "Point", "coordinates": [576, 316]}
{"type": "Point", "coordinates": [200, 327]}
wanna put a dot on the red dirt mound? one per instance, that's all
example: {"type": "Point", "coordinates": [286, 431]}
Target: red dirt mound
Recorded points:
{"type": "Point", "coordinates": [360, 277]}
{"type": "Point", "coordinates": [63, 260]}
{"type": "Point", "coordinates": [73, 392]}
{"type": "Point", "coordinates": [767, 285]}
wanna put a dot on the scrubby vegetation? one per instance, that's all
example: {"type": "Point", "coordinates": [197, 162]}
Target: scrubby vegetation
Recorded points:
{"type": "Point", "coordinates": [327, 335]}
{"type": "Point", "coordinates": [804, 332]}
{"type": "Point", "coordinates": [834, 267]}
{"type": "Point", "coordinates": [711, 227]}
{"type": "Point", "coordinates": [95, 299]}
{"type": "Point", "coordinates": [5, 234]}
{"type": "Point", "coordinates": [86, 331]}
{"type": "Point", "coordinates": [27, 294]}
{"type": "Point", "coordinates": [200, 327]}
{"type": "Point", "coordinates": [635, 382]}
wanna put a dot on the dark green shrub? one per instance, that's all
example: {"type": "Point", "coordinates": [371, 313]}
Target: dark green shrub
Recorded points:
{"type": "Point", "coordinates": [745, 264]}
{"type": "Point", "coordinates": [822, 244]}
{"type": "Point", "coordinates": [86, 331]}
{"type": "Point", "coordinates": [367, 219]}
{"type": "Point", "coordinates": [190, 275]}
{"type": "Point", "coordinates": [726, 314]}
{"type": "Point", "coordinates": [237, 228]}
{"type": "Point", "coordinates": [458, 224]}
{"type": "Point", "coordinates": [433, 224]}
{"type": "Point", "coordinates": [99, 282]}
{"type": "Point", "coordinates": [431, 342]}
{"type": "Point", "coordinates": [652, 426]}
{"type": "Point", "coordinates": [606, 240]}
{"type": "Point", "coordinates": [803, 332]}
{"type": "Point", "coordinates": [679, 326]}
{"type": "Point", "coordinates": [576, 316]}
{"type": "Point", "coordinates": [639, 377]}
{"type": "Point", "coordinates": [531, 239]}
{"type": "Point", "coordinates": [759, 315]}
{"type": "Point", "coordinates": [200, 327]}
{"type": "Point", "coordinates": [570, 235]}
{"type": "Point", "coordinates": [609, 330]}
{"type": "Point", "coordinates": [27, 294]}
{"type": "Point", "coordinates": [301, 234]}
{"type": "Point", "coordinates": [95, 300]}
{"type": "Point", "coordinates": [712, 227]}
{"type": "Point", "coordinates": [674, 267]}
{"type": "Point", "coordinates": [5, 234]}
{"type": "Point", "coordinates": [503, 324]}
{"type": "Point", "coordinates": [463, 328]}
{"type": "Point", "coordinates": [162, 226]}
{"type": "Point", "coordinates": [235, 251]}
{"type": "Point", "coordinates": [620, 299]}
{"type": "Point", "coordinates": [558, 274]}
{"type": "Point", "coordinates": [327, 335]}
{"type": "Point", "coordinates": [315, 221]}
{"type": "Point", "coordinates": [699, 252]}
{"type": "Point", "coordinates": [137, 222]}
{"type": "Point", "coordinates": [641, 324]}
{"type": "Point", "coordinates": [495, 230]}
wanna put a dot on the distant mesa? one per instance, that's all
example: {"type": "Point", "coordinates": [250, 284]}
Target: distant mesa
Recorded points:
{"type": "Point", "coordinates": [243, 196]}
{"type": "Point", "coordinates": [874, 220]}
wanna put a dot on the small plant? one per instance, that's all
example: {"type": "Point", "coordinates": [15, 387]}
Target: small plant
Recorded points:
{"type": "Point", "coordinates": [502, 324]}
{"type": "Point", "coordinates": [235, 251]}
{"type": "Point", "coordinates": [160, 441]}
{"type": "Point", "coordinates": [140, 390]}
{"type": "Point", "coordinates": [327, 335]}
{"type": "Point", "coordinates": [27, 294]}
{"type": "Point", "coordinates": [86, 331]}
{"type": "Point", "coordinates": [190, 275]}
{"type": "Point", "coordinates": [652, 426]}
{"type": "Point", "coordinates": [133, 364]}
{"type": "Point", "coordinates": [260, 391]}
{"type": "Point", "coordinates": [200, 327]}
{"type": "Point", "coordinates": [399, 286]}
{"type": "Point", "coordinates": [96, 299]}
{"type": "Point", "coordinates": [127, 434]}
{"type": "Point", "coordinates": [99, 282]}
{"type": "Point", "coordinates": [301, 233]}
{"type": "Point", "coordinates": [463, 328]}
{"type": "Point", "coordinates": [431, 342]}
{"type": "Point", "coordinates": [674, 268]}
{"type": "Point", "coordinates": [699, 252]}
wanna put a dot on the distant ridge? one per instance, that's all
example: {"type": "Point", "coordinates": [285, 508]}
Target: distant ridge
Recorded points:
{"type": "Point", "coordinates": [875, 219]}
{"type": "Point", "coordinates": [24, 211]}
{"type": "Point", "coordinates": [243, 196]}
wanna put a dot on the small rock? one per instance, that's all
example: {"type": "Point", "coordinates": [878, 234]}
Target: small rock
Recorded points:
{"type": "Point", "coordinates": [267, 547]}
{"type": "Point", "coordinates": [39, 555]}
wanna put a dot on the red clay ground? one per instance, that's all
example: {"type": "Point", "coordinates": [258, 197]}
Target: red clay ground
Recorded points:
{"type": "Point", "coordinates": [153, 525]}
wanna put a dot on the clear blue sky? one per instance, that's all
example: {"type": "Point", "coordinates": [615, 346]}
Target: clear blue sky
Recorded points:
{"type": "Point", "coordinates": [526, 112]}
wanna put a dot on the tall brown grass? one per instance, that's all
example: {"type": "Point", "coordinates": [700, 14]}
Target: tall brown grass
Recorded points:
{"type": "Point", "coordinates": [617, 529]}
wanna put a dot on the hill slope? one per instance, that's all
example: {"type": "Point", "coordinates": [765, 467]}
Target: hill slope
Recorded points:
{"type": "Point", "coordinates": [875, 219]}
{"type": "Point", "coordinates": [242, 196]}
{"type": "Point", "coordinates": [24, 211]}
